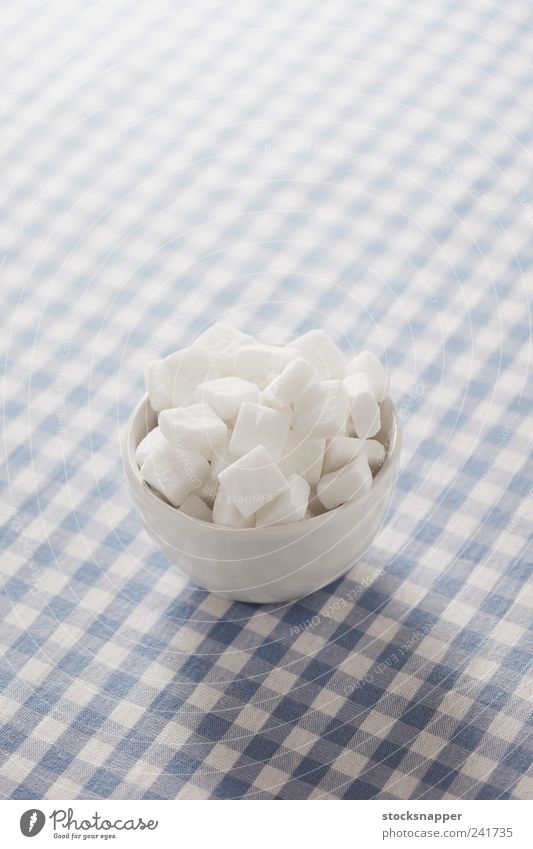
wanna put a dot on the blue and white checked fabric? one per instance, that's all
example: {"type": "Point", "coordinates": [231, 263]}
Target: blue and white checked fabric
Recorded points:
{"type": "Point", "coordinates": [361, 166]}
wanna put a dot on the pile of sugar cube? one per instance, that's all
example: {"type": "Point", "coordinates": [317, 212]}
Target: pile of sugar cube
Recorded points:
{"type": "Point", "coordinates": [252, 434]}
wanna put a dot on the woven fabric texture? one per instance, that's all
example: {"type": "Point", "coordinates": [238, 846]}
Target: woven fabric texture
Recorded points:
{"type": "Point", "coordinates": [365, 167]}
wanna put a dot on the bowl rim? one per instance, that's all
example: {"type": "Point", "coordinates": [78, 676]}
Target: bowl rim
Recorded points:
{"type": "Point", "coordinates": [380, 482]}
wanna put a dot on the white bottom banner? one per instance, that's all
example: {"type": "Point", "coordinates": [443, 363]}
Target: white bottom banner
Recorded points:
{"type": "Point", "coordinates": [358, 824]}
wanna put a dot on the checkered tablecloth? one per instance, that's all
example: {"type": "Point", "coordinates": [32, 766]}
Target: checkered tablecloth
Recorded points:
{"type": "Point", "coordinates": [366, 167]}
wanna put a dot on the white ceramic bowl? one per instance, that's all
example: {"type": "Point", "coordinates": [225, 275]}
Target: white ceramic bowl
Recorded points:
{"type": "Point", "coordinates": [272, 564]}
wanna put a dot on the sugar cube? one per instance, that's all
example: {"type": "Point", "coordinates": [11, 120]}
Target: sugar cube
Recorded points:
{"type": "Point", "coordinates": [315, 506]}
{"type": "Point", "coordinates": [259, 425]}
{"type": "Point", "coordinates": [226, 394]}
{"type": "Point", "coordinates": [367, 363]}
{"type": "Point", "coordinates": [318, 349]}
{"type": "Point", "coordinates": [254, 362]}
{"type": "Point", "coordinates": [196, 426]}
{"type": "Point", "coordinates": [226, 513]}
{"type": "Point", "coordinates": [158, 385]}
{"type": "Point", "coordinates": [340, 451]}
{"type": "Point", "coordinates": [375, 454]}
{"type": "Point", "coordinates": [223, 341]}
{"type": "Point", "coordinates": [285, 388]}
{"type": "Point", "coordinates": [343, 449]}
{"type": "Point", "coordinates": [222, 337]}
{"type": "Point", "coordinates": [289, 506]}
{"type": "Point", "coordinates": [174, 473]}
{"type": "Point", "coordinates": [364, 409]}
{"type": "Point", "coordinates": [194, 507]}
{"type": "Point", "coordinates": [345, 484]}
{"type": "Point", "coordinates": [148, 444]}
{"type": "Point", "coordinates": [303, 455]}
{"type": "Point", "coordinates": [208, 490]}
{"type": "Point", "coordinates": [171, 382]}
{"type": "Point", "coordinates": [321, 410]}
{"type": "Point", "coordinates": [221, 456]}
{"type": "Point", "coordinates": [253, 480]}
